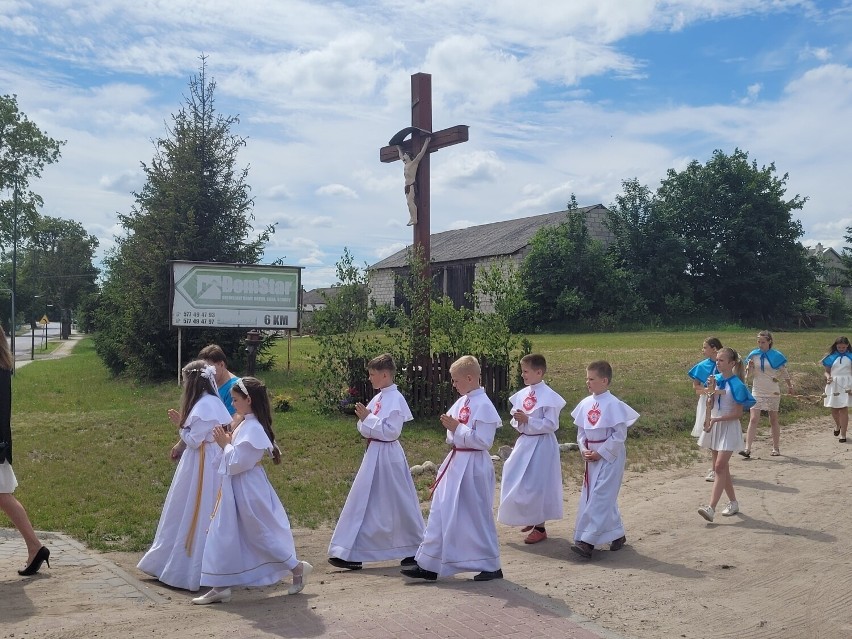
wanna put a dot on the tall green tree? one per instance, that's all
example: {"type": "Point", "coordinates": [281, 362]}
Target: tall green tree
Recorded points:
{"type": "Point", "coordinates": [24, 152]}
{"type": "Point", "coordinates": [58, 264]}
{"type": "Point", "coordinates": [647, 246]}
{"type": "Point", "coordinates": [739, 237]}
{"type": "Point", "coordinates": [571, 279]}
{"type": "Point", "coordinates": [195, 205]}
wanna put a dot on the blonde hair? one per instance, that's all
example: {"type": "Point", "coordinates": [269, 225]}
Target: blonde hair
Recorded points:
{"type": "Point", "coordinates": [731, 354]}
{"type": "Point", "coordinates": [466, 364]}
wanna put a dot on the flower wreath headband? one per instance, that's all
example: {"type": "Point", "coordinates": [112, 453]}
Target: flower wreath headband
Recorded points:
{"type": "Point", "coordinates": [242, 386]}
{"type": "Point", "coordinates": [208, 373]}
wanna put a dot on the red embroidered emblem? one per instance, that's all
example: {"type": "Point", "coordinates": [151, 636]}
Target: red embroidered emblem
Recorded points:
{"type": "Point", "coordinates": [377, 408]}
{"type": "Point", "coordinates": [594, 414]}
{"type": "Point", "coordinates": [530, 401]}
{"type": "Point", "coordinates": [464, 413]}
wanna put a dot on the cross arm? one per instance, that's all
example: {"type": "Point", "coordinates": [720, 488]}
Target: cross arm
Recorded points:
{"type": "Point", "coordinates": [440, 139]}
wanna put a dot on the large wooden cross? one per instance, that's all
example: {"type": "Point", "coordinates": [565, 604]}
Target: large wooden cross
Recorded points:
{"type": "Point", "coordinates": [420, 130]}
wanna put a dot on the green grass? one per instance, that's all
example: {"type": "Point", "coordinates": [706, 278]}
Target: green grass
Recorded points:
{"type": "Point", "coordinates": [91, 451]}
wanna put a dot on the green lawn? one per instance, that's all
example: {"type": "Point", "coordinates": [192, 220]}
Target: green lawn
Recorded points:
{"type": "Point", "coordinates": [91, 451]}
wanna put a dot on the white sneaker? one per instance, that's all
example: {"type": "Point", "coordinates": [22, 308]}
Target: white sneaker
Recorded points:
{"type": "Point", "coordinates": [213, 596]}
{"type": "Point", "coordinates": [707, 512]}
{"type": "Point", "coordinates": [711, 476]}
{"type": "Point", "coordinates": [731, 509]}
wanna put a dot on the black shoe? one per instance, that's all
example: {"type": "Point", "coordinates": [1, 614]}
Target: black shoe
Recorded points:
{"type": "Point", "coordinates": [745, 453]}
{"type": "Point", "coordinates": [342, 563]}
{"type": "Point", "coordinates": [842, 441]}
{"type": "Point", "coordinates": [488, 576]}
{"type": "Point", "coordinates": [42, 556]}
{"type": "Point", "coordinates": [618, 544]}
{"type": "Point", "coordinates": [418, 573]}
{"type": "Point", "coordinates": [408, 561]}
{"type": "Point", "coordinates": [583, 549]}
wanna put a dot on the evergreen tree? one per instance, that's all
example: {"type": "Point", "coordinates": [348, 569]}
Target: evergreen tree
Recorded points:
{"type": "Point", "coordinates": [195, 205]}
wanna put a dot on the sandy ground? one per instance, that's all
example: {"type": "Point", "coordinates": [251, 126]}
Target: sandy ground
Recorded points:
{"type": "Point", "coordinates": [781, 568]}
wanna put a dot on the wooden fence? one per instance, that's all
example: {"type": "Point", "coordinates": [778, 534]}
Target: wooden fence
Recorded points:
{"type": "Point", "coordinates": [427, 385]}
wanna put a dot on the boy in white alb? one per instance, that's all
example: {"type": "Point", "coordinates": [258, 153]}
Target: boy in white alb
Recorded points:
{"type": "Point", "coordinates": [531, 488]}
{"type": "Point", "coordinates": [381, 519]}
{"type": "Point", "coordinates": [602, 422]}
{"type": "Point", "coordinates": [461, 535]}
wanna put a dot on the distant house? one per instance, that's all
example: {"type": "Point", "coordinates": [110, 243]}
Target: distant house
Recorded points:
{"type": "Point", "coordinates": [315, 298]}
{"type": "Point", "coordinates": [459, 256]}
{"type": "Point", "coordinates": [834, 270]}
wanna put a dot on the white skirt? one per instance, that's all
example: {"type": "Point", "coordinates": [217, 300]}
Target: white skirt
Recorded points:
{"type": "Point", "coordinates": [700, 412]}
{"type": "Point", "coordinates": [723, 436]}
{"type": "Point", "coordinates": [837, 394]}
{"type": "Point", "coordinates": [8, 481]}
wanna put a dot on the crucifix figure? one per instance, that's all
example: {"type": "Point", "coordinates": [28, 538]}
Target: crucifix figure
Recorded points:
{"type": "Point", "coordinates": [410, 173]}
{"type": "Point", "coordinates": [422, 144]}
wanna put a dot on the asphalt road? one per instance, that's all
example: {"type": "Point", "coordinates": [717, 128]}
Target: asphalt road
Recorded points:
{"type": "Point", "coordinates": [24, 342]}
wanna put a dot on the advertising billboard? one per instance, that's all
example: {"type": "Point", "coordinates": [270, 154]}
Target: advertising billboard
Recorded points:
{"type": "Point", "coordinates": [234, 295]}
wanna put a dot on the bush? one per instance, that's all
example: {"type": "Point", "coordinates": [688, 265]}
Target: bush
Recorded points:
{"type": "Point", "coordinates": [838, 308]}
{"type": "Point", "coordinates": [282, 403]}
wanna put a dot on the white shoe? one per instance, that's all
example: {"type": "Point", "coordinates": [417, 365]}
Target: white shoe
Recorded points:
{"type": "Point", "coordinates": [213, 596]}
{"type": "Point", "coordinates": [711, 476]}
{"type": "Point", "coordinates": [299, 585]}
{"type": "Point", "coordinates": [707, 512]}
{"type": "Point", "coordinates": [731, 509]}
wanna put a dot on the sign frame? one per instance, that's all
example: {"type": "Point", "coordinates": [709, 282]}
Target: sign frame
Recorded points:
{"type": "Point", "coordinates": [225, 295]}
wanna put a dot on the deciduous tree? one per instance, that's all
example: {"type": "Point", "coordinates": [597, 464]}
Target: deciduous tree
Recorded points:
{"type": "Point", "coordinates": [739, 236]}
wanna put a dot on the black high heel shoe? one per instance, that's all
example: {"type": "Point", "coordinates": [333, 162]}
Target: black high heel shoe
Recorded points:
{"type": "Point", "coordinates": [42, 556]}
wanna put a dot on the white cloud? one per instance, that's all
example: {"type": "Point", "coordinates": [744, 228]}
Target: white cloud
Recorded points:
{"type": "Point", "coordinates": [124, 182]}
{"type": "Point", "coordinates": [337, 190]}
{"type": "Point", "coordinates": [384, 251]}
{"type": "Point", "coordinates": [465, 168]}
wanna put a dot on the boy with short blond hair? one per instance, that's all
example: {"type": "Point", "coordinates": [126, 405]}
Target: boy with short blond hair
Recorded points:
{"type": "Point", "coordinates": [461, 535]}
{"type": "Point", "coordinates": [602, 421]}
{"type": "Point", "coordinates": [531, 487]}
{"type": "Point", "coordinates": [381, 519]}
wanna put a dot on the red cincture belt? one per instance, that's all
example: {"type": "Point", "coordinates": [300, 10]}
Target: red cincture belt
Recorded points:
{"type": "Point", "coordinates": [447, 465]}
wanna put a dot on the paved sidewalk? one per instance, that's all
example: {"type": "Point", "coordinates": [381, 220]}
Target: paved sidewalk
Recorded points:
{"type": "Point", "coordinates": [86, 594]}
{"type": "Point", "coordinates": [63, 350]}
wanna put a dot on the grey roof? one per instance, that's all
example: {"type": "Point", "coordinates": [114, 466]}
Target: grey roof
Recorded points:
{"type": "Point", "coordinates": [485, 240]}
{"type": "Point", "coordinates": [319, 295]}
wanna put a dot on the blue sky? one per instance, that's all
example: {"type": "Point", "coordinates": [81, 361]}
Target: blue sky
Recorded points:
{"type": "Point", "coordinates": [561, 98]}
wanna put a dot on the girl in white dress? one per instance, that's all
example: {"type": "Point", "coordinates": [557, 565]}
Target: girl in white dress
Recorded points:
{"type": "Point", "coordinates": [249, 542]}
{"type": "Point", "coordinates": [766, 365]}
{"type": "Point", "coordinates": [724, 434]}
{"type": "Point", "coordinates": [175, 555]}
{"type": "Point", "coordinates": [699, 374]}
{"type": "Point", "coordinates": [838, 384]}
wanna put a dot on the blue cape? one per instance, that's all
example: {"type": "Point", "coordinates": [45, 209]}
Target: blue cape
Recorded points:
{"type": "Point", "coordinates": [702, 371]}
{"type": "Point", "coordinates": [829, 359]}
{"type": "Point", "coordinates": [776, 359]}
{"type": "Point", "coordinates": [737, 389]}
